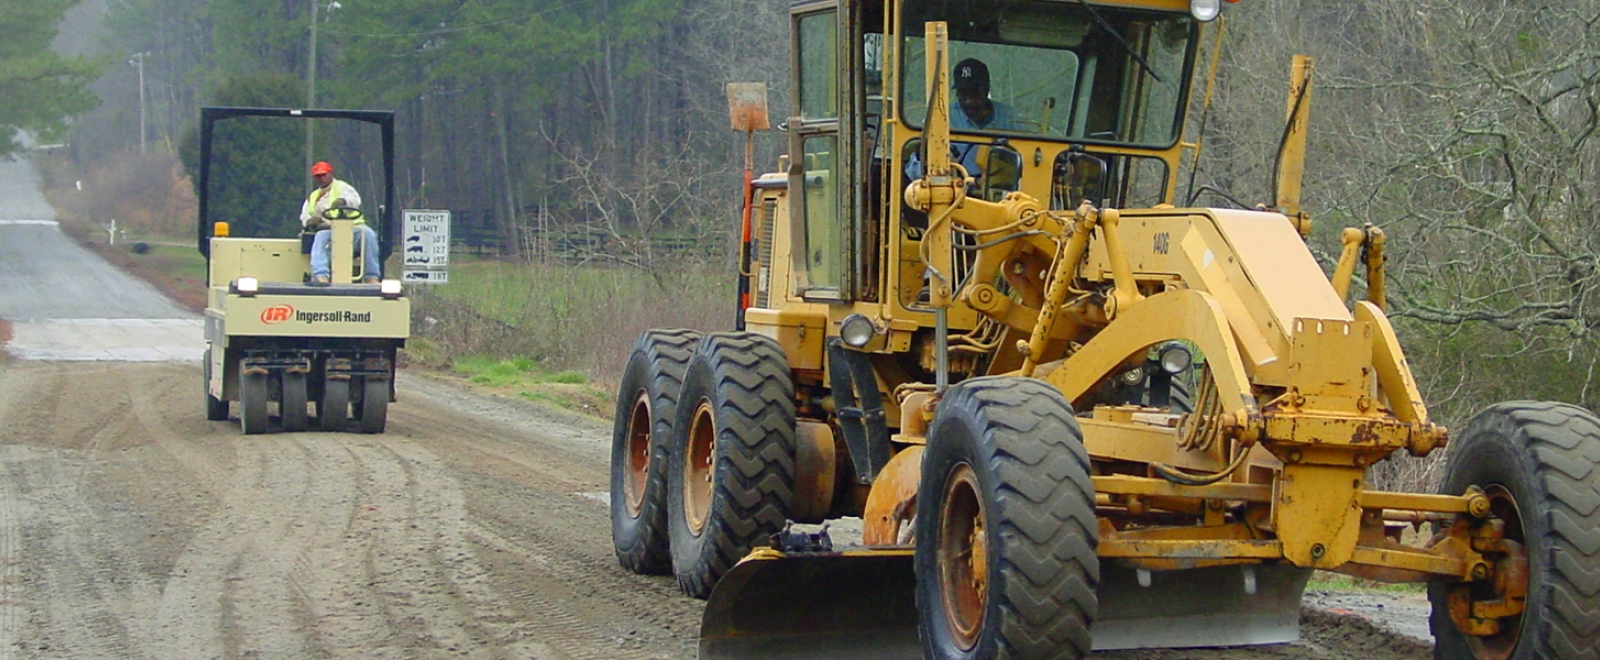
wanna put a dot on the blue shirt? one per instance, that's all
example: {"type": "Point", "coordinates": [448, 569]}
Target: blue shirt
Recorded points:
{"type": "Point", "coordinates": [1001, 118]}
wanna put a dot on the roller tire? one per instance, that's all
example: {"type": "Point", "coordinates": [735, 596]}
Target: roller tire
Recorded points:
{"type": "Point", "coordinates": [1012, 446]}
{"type": "Point", "coordinates": [647, 397]}
{"type": "Point", "coordinates": [334, 410]}
{"type": "Point", "coordinates": [374, 410]}
{"type": "Point", "coordinates": [739, 392]}
{"type": "Point", "coordinates": [292, 403]}
{"type": "Point", "coordinates": [1547, 456]}
{"type": "Point", "coordinates": [252, 402]}
{"type": "Point", "coordinates": [216, 409]}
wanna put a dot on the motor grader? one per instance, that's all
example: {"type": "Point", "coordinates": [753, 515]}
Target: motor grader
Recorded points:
{"type": "Point", "coordinates": [1071, 410]}
{"type": "Point", "coordinates": [274, 335]}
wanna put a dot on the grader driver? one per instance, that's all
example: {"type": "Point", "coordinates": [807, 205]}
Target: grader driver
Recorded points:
{"type": "Point", "coordinates": [1071, 410]}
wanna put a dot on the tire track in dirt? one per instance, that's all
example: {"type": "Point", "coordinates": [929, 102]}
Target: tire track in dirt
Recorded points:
{"type": "Point", "coordinates": [10, 559]}
{"type": "Point", "coordinates": [71, 569]}
{"type": "Point", "coordinates": [229, 593]}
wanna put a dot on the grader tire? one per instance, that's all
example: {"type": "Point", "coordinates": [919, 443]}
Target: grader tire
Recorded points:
{"type": "Point", "coordinates": [731, 475]}
{"type": "Point", "coordinates": [1006, 530]}
{"type": "Point", "coordinates": [1539, 462]}
{"type": "Point", "coordinates": [647, 400]}
{"type": "Point", "coordinates": [216, 409]}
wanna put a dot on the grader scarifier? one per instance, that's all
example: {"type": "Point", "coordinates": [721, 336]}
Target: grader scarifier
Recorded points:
{"type": "Point", "coordinates": [1070, 413]}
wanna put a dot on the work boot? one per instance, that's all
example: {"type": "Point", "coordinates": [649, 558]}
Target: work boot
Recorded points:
{"type": "Point", "coordinates": [369, 280]}
{"type": "Point", "coordinates": [319, 280]}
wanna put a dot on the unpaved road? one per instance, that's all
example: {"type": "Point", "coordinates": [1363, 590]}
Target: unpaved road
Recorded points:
{"type": "Point", "coordinates": [131, 527]}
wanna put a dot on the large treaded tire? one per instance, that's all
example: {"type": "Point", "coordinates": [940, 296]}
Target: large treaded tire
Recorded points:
{"type": "Point", "coordinates": [1547, 457]}
{"type": "Point", "coordinates": [1012, 447]}
{"type": "Point", "coordinates": [736, 421]}
{"type": "Point", "coordinates": [647, 400]}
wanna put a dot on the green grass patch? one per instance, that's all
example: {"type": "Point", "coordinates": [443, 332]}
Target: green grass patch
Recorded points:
{"type": "Point", "coordinates": [526, 378]}
{"type": "Point", "coordinates": [1325, 581]}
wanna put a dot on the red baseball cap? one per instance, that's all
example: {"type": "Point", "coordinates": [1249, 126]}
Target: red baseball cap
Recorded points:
{"type": "Point", "coordinates": [322, 167]}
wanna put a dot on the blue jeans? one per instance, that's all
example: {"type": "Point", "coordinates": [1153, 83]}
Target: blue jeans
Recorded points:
{"type": "Point", "coordinates": [322, 252]}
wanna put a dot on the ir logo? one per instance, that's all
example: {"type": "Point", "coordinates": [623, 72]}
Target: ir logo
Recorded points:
{"type": "Point", "coordinates": [277, 314]}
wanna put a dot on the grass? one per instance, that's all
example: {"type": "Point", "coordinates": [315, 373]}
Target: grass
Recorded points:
{"type": "Point", "coordinates": [1326, 581]}
{"type": "Point", "coordinates": [579, 319]}
{"type": "Point", "coordinates": [525, 378]}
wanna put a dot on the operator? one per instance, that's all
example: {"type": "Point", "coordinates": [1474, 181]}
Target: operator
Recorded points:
{"type": "Point", "coordinates": [332, 193]}
{"type": "Point", "coordinates": [978, 113]}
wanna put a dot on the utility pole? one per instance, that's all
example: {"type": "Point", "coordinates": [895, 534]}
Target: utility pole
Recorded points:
{"type": "Point", "coordinates": [311, 84]}
{"type": "Point", "coordinates": [138, 61]}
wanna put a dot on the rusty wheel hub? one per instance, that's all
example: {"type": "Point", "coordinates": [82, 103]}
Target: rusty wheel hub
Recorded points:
{"type": "Point", "coordinates": [637, 455]}
{"type": "Point", "coordinates": [699, 466]}
{"type": "Point", "coordinates": [963, 557]}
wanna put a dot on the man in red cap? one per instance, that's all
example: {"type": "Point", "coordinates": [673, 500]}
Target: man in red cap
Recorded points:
{"type": "Point", "coordinates": [332, 193]}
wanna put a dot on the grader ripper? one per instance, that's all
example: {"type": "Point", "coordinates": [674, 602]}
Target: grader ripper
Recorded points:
{"type": "Point", "coordinates": [1070, 414]}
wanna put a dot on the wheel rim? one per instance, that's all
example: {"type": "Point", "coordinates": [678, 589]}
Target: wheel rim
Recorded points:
{"type": "Point", "coordinates": [699, 463]}
{"type": "Point", "coordinates": [963, 557]}
{"type": "Point", "coordinates": [636, 458]}
{"type": "Point", "coordinates": [1500, 647]}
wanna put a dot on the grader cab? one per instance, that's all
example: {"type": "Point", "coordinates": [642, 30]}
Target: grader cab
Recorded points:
{"type": "Point", "coordinates": [1071, 410]}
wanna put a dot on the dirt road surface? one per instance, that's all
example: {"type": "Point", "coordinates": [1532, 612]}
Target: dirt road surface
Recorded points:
{"type": "Point", "coordinates": [131, 527]}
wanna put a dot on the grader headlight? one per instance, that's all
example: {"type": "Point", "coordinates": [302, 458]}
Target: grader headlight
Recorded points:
{"type": "Point", "coordinates": [856, 330]}
{"type": "Point", "coordinates": [1205, 11]}
{"type": "Point", "coordinates": [1175, 358]}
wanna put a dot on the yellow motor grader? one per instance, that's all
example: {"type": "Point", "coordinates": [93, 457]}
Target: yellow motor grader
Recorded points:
{"type": "Point", "coordinates": [1070, 410]}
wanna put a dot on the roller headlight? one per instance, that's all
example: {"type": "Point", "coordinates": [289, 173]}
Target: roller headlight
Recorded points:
{"type": "Point", "coordinates": [856, 330]}
{"type": "Point", "coordinates": [389, 288]}
{"type": "Point", "coordinates": [1205, 11]}
{"type": "Point", "coordinates": [247, 286]}
{"type": "Point", "coordinates": [1176, 358]}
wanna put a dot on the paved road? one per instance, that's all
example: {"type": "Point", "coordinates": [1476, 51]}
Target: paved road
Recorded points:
{"type": "Point", "coordinates": [63, 303]}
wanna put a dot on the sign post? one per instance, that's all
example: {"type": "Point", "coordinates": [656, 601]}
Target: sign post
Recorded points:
{"type": "Point", "coordinates": [425, 247]}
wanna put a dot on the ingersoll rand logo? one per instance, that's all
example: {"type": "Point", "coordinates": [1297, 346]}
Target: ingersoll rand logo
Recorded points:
{"type": "Point", "coordinates": [341, 316]}
{"type": "Point", "coordinates": [277, 314]}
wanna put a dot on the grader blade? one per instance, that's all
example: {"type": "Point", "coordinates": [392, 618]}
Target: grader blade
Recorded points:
{"type": "Point", "coordinates": [844, 605]}
{"type": "Point", "coordinates": [863, 605]}
{"type": "Point", "coordinates": [1220, 606]}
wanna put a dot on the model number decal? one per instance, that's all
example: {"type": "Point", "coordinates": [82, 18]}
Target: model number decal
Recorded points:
{"type": "Point", "coordinates": [277, 314]}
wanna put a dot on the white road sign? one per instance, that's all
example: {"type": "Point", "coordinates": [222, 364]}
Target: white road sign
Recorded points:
{"type": "Point", "coordinates": [425, 246]}
{"type": "Point", "coordinates": [414, 276]}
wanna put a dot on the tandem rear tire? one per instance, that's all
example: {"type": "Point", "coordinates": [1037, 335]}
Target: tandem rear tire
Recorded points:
{"type": "Point", "coordinates": [292, 402]}
{"type": "Point", "coordinates": [252, 400]}
{"type": "Point", "coordinates": [647, 401]}
{"type": "Point", "coordinates": [374, 411]}
{"type": "Point", "coordinates": [1539, 464]}
{"type": "Point", "coordinates": [334, 409]}
{"type": "Point", "coordinates": [731, 475]}
{"type": "Point", "coordinates": [1006, 530]}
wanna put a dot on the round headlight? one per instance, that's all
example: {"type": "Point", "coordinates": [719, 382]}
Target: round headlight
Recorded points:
{"type": "Point", "coordinates": [1175, 358]}
{"type": "Point", "coordinates": [856, 330]}
{"type": "Point", "coordinates": [1205, 11]}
